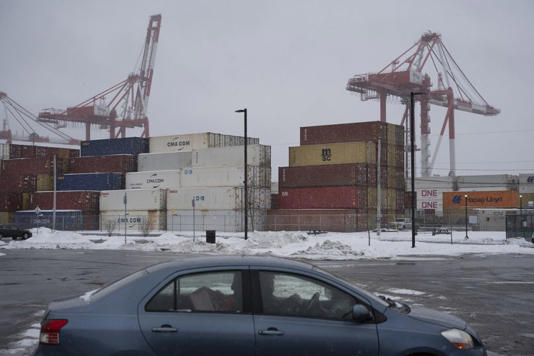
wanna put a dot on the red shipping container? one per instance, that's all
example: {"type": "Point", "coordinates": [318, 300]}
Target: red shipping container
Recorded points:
{"type": "Point", "coordinates": [103, 164]}
{"type": "Point", "coordinates": [340, 220]}
{"type": "Point", "coordinates": [33, 166]}
{"type": "Point", "coordinates": [30, 151]}
{"type": "Point", "coordinates": [10, 201]}
{"type": "Point", "coordinates": [75, 200]}
{"type": "Point", "coordinates": [274, 201]}
{"type": "Point", "coordinates": [17, 183]}
{"type": "Point", "coordinates": [321, 176]}
{"type": "Point", "coordinates": [323, 198]}
{"type": "Point", "coordinates": [358, 131]}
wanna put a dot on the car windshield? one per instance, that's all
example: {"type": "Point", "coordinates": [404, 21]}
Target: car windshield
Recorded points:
{"type": "Point", "coordinates": [368, 295]}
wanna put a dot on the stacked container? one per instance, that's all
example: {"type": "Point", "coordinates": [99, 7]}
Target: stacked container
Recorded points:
{"type": "Point", "coordinates": [334, 172]}
{"type": "Point", "coordinates": [214, 185]}
{"type": "Point", "coordinates": [25, 169]}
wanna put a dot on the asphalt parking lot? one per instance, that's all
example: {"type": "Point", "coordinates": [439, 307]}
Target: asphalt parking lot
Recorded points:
{"type": "Point", "coordinates": [493, 293]}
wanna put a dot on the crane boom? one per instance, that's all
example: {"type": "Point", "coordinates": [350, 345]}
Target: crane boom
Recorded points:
{"type": "Point", "coordinates": [129, 98]}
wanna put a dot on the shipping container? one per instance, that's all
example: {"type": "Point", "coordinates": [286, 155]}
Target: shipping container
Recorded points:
{"type": "Point", "coordinates": [332, 153]}
{"type": "Point", "coordinates": [10, 201]}
{"type": "Point", "coordinates": [45, 182]}
{"type": "Point", "coordinates": [102, 164]}
{"type": "Point", "coordinates": [344, 197]}
{"type": "Point", "coordinates": [337, 220]}
{"type": "Point", "coordinates": [65, 200]}
{"type": "Point", "coordinates": [36, 151]}
{"type": "Point", "coordinates": [274, 201]}
{"type": "Point", "coordinates": [323, 176]}
{"type": "Point", "coordinates": [218, 198]}
{"type": "Point", "coordinates": [153, 180]}
{"type": "Point", "coordinates": [17, 183]}
{"type": "Point", "coordinates": [136, 199]}
{"type": "Point", "coordinates": [65, 219]}
{"type": "Point", "coordinates": [33, 166]}
{"type": "Point", "coordinates": [352, 132]}
{"type": "Point", "coordinates": [4, 151]}
{"type": "Point", "coordinates": [90, 181]}
{"type": "Point", "coordinates": [233, 156]}
{"type": "Point", "coordinates": [485, 199]}
{"type": "Point", "coordinates": [218, 220]}
{"type": "Point", "coordinates": [526, 183]}
{"type": "Point", "coordinates": [189, 142]}
{"type": "Point", "coordinates": [134, 220]}
{"type": "Point", "coordinates": [164, 161]}
{"type": "Point", "coordinates": [258, 177]}
{"type": "Point", "coordinates": [114, 146]}
{"type": "Point", "coordinates": [7, 217]}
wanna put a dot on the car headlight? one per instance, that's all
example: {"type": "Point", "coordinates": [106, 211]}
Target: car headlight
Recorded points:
{"type": "Point", "coordinates": [460, 339]}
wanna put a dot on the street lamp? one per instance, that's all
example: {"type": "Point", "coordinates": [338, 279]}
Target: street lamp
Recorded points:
{"type": "Point", "coordinates": [412, 158]}
{"type": "Point", "coordinates": [521, 213]}
{"type": "Point", "coordinates": [244, 111]}
{"type": "Point", "coordinates": [466, 221]}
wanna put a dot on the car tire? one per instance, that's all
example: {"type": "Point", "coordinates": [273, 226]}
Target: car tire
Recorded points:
{"type": "Point", "coordinates": [25, 236]}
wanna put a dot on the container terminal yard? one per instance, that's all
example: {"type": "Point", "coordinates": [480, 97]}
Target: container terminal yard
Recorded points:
{"type": "Point", "coordinates": [342, 177]}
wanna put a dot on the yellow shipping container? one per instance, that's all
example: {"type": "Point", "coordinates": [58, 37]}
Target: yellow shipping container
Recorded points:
{"type": "Point", "coordinates": [6, 217]}
{"type": "Point", "coordinates": [332, 153]}
{"type": "Point", "coordinates": [392, 199]}
{"type": "Point", "coordinates": [45, 182]}
{"type": "Point", "coordinates": [391, 134]}
{"type": "Point", "coordinates": [25, 201]}
{"type": "Point", "coordinates": [392, 156]}
{"type": "Point", "coordinates": [372, 198]}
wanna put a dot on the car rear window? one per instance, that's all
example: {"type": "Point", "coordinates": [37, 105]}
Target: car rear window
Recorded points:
{"type": "Point", "coordinates": [106, 290]}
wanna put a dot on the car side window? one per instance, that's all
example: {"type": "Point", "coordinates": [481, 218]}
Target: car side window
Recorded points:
{"type": "Point", "coordinates": [201, 292]}
{"type": "Point", "coordinates": [294, 295]}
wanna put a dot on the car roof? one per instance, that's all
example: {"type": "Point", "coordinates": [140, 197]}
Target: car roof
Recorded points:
{"type": "Point", "coordinates": [222, 261]}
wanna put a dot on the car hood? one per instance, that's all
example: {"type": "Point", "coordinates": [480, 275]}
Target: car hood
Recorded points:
{"type": "Point", "coordinates": [437, 317]}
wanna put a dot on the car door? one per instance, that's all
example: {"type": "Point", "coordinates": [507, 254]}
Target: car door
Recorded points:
{"type": "Point", "coordinates": [299, 315]}
{"type": "Point", "coordinates": [200, 313]}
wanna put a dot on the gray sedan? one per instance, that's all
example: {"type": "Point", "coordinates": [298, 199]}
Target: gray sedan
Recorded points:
{"type": "Point", "coordinates": [246, 306]}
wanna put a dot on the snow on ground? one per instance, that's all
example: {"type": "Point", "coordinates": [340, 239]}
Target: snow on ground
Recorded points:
{"type": "Point", "coordinates": [405, 291]}
{"type": "Point", "coordinates": [326, 246]}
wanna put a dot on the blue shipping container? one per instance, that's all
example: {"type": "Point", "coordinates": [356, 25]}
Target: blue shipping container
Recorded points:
{"type": "Point", "coordinates": [65, 219]}
{"type": "Point", "coordinates": [90, 181]}
{"type": "Point", "coordinates": [114, 146]}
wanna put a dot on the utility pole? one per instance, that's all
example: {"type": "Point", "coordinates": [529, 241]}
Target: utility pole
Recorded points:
{"type": "Point", "coordinates": [245, 180]}
{"type": "Point", "coordinates": [378, 189]}
{"type": "Point", "coordinates": [54, 201]}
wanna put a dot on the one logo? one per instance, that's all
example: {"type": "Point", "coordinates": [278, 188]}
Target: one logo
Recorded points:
{"type": "Point", "coordinates": [530, 179]}
{"type": "Point", "coordinates": [457, 199]}
{"type": "Point", "coordinates": [326, 154]}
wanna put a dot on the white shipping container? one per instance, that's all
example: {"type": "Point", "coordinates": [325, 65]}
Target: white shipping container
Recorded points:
{"type": "Point", "coordinates": [135, 220]}
{"type": "Point", "coordinates": [163, 161]}
{"type": "Point", "coordinates": [218, 220]}
{"type": "Point", "coordinates": [189, 142]}
{"type": "Point", "coordinates": [225, 177]}
{"type": "Point", "coordinates": [4, 151]}
{"type": "Point", "coordinates": [526, 183]}
{"type": "Point", "coordinates": [217, 198]}
{"type": "Point", "coordinates": [153, 180]}
{"type": "Point", "coordinates": [257, 155]}
{"type": "Point", "coordinates": [136, 199]}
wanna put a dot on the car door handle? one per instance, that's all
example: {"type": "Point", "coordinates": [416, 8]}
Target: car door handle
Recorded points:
{"type": "Point", "coordinates": [271, 331]}
{"type": "Point", "coordinates": [165, 329]}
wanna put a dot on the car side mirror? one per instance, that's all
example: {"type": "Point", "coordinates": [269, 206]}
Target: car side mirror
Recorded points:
{"type": "Point", "coordinates": [361, 314]}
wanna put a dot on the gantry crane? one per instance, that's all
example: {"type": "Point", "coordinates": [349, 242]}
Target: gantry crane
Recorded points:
{"type": "Point", "coordinates": [19, 124]}
{"type": "Point", "coordinates": [129, 98]}
{"type": "Point", "coordinates": [405, 75]}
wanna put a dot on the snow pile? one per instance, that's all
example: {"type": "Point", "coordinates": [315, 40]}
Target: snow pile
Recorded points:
{"type": "Point", "coordinates": [296, 244]}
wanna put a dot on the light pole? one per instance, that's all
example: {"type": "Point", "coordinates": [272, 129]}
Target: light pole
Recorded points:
{"type": "Point", "coordinates": [412, 159]}
{"type": "Point", "coordinates": [466, 221]}
{"type": "Point", "coordinates": [521, 214]}
{"type": "Point", "coordinates": [245, 180]}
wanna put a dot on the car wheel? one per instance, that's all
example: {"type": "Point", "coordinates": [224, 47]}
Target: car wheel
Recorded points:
{"type": "Point", "coordinates": [25, 236]}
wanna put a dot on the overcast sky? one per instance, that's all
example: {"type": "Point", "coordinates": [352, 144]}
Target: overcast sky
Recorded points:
{"type": "Point", "coordinates": [286, 61]}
